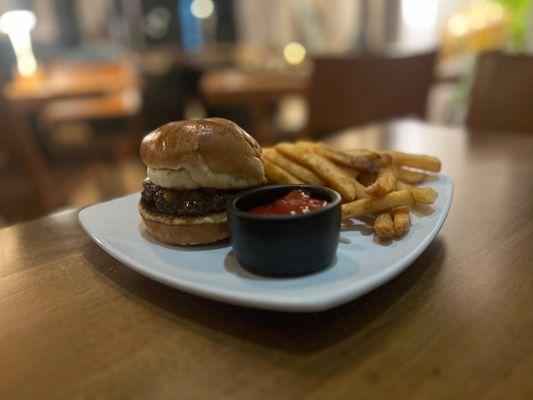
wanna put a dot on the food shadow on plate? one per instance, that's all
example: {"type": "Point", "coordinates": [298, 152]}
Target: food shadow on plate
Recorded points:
{"type": "Point", "coordinates": [362, 225]}
{"type": "Point", "coordinates": [198, 247]}
{"type": "Point", "coordinates": [233, 267]}
{"type": "Point", "coordinates": [430, 178]}
{"type": "Point", "coordinates": [388, 242]}
{"type": "Point", "coordinates": [422, 210]}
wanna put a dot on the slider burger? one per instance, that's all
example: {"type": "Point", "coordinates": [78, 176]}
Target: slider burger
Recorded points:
{"type": "Point", "coordinates": [193, 168]}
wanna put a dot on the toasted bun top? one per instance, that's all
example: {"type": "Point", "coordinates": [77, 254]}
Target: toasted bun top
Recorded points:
{"type": "Point", "coordinates": [211, 152]}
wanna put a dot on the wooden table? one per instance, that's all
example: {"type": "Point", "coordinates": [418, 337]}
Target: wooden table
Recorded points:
{"type": "Point", "coordinates": [64, 80]}
{"type": "Point", "coordinates": [457, 324]}
{"type": "Point", "coordinates": [257, 90]}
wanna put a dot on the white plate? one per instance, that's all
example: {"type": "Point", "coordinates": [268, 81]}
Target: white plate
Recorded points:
{"type": "Point", "coordinates": [212, 271]}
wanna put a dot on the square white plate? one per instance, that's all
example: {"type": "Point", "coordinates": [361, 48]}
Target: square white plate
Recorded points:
{"type": "Point", "coordinates": [213, 272]}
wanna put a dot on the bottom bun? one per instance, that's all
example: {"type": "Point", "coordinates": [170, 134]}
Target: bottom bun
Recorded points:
{"type": "Point", "coordinates": [184, 230]}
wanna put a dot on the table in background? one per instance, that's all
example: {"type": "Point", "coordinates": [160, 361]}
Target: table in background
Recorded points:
{"type": "Point", "coordinates": [456, 324]}
{"type": "Point", "coordinates": [69, 80]}
{"type": "Point", "coordinates": [257, 90]}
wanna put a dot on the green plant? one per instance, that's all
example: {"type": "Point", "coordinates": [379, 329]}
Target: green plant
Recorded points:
{"type": "Point", "coordinates": [518, 14]}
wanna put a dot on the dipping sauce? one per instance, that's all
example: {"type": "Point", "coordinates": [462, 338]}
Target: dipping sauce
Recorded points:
{"type": "Point", "coordinates": [294, 202]}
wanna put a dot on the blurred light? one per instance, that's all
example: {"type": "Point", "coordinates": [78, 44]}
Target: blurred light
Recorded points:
{"type": "Point", "coordinates": [458, 25]}
{"type": "Point", "coordinates": [478, 20]}
{"type": "Point", "coordinates": [497, 11]}
{"type": "Point", "coordinates": [202, 9]}
{"type": "Point", "coordinates": [17, 20]}
{"type": "Point", "coordinates": [419, 14]}
{"type": "Point", "coordinates": [294, 53]}
{"type": "Point", "coordinates": [17, 24]}
{"type": "Point", "coordinates": [157, 22]}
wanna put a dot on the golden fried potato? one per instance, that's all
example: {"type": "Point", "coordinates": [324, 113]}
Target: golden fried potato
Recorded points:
{"type": "Point", "coordinates": [420, 194]}
{"type": "Point", "coordinates": [411, 176]}
{"type": "Point", "coordinates": [364, 153]}
{"type": "Point", "coordinates": [379, 159]}
{"type": "Point", "coordinates": [275, 174]}
{"type": "Point", "coordinates": [339, 157]}
{"type": "Point", "coordinates": [383, 226]}
{"type": "Point", "coordinates": [302, 173]}
{"type": "Point", "coordinates": [352, 173]}
{"type": "Point", "coordinates": [384, 182]}
{"type": "Point", "coordinates": [322, 167]}
{"type": "Point", "coordinates": [358, 208]}
{"type": "Point", "coordinates": [420, 161]}
{"type": "Point", "coordinates": [402, 220]}
{"type": "Point", "coordinates": [360, 190]}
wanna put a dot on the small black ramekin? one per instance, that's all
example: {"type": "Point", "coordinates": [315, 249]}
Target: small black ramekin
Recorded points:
{"type": "Point", "coordinates": [284, 245]}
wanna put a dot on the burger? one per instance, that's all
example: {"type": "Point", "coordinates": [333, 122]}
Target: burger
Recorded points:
{"type": "Point", "coordinates": [194, 168]}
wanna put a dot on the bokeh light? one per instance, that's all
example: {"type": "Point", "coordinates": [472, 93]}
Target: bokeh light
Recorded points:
{"type": "Point", "coordinates": [294, 53]}
{"type": "Point", "coordinates": [202, 9]}
{"type": "Point", "coordinates": [458, 25]}
{"type": "Point", "coordinates": [17, 24]}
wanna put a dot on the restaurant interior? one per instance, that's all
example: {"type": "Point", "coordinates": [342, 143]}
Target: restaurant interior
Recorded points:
{"type": "Point", "coordinates": [82, 82]}
{"type": "Point", "coordinates": [372, 242]}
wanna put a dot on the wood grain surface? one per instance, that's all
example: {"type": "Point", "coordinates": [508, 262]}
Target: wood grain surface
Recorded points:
{"type": "Point", "coordinates": [457, 324]}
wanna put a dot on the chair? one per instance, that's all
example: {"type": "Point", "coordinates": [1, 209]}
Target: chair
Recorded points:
{"type": "Point", "coordinates": [256, 90]}
{"type": "Point", "coordinates": [501, 98]}
{"type": "Point", "coordinates": [121, 102]}
{"type": "Point", "coordinates": [17, 141]}
{"type": "Point", "coordinates": [355, 90]}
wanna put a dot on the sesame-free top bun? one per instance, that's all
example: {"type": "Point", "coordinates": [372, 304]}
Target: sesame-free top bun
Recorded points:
{"type": "Point", "coordinates": [205, 153]}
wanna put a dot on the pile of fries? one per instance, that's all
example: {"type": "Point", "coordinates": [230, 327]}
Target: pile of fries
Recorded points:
{"type": "Point", "coordinates": [378, 184]}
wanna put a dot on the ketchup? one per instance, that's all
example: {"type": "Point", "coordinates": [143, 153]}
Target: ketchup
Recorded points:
{"type": "Point", "coordinates": [294, 202]}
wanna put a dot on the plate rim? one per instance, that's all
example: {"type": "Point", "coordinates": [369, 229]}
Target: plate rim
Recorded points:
{"type": "Point", "coordinates": [306, 304]}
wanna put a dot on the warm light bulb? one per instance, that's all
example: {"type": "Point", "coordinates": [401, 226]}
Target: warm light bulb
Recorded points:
{"type": "Point", "coordinates": [294, 53]}
{"type": "Point", "coordinates": [202, 9]}
{"type": "Point", "coordinates": [17, 24]}
{"type": "Point", "coordinates": [17, 21]}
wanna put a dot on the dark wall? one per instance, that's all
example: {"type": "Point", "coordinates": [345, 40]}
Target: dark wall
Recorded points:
{"type": "Point", "coordinates": [68, 24]}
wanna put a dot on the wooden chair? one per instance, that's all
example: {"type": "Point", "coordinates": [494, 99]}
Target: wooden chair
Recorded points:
{"type": "Point", "coordinates": [501, 98]}
{"type": "Point", "coordinates": [19, 144]}
{"type": "Point", "coordinates": [355, 90]}
{"type": "Point", "coordinates": [122, 102]}
{"type": "Point", "coordinates": [256, 90]}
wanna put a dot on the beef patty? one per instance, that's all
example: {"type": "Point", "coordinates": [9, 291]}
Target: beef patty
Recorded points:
{"type": "Point", "coordinates": [185, 203]}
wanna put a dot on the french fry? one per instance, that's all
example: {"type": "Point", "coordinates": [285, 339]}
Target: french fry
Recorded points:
{"type": "Point", "coordinates": [358, 208]}
{"type": "Point", "coordinates": [383, 226]}
{"type": "Point", "coordinates": [420, 161]}
{"type": "Point", "coordinates": [352, 173]}
{"type": "Point", "coordinates": [301, 173]}
{"type": "Point", "coordinates": [383, 159]}
{"type": "Point", "coordinates": [276, 174]}
{"type": "Point", "coordinates": [358, 163]}
{"type": "Point", "coordinates": [349, 171]}
{"type": "Point", "coordinates": [384, 183]}
{"type": "Point", "coordinates": [410, 176]}
{"type": "Point", "coordinates": [371, 155]}
{"type": "Point", "coordinates": [322, 167]}
{"type": "Point", "coordinates": [420, 194]}
{"type": "Point", "coordinates": [360, 190]}
{"type": "Point", "coordinates": [380, 159]}
{"type": "Point", "coordinates": [402, 220]}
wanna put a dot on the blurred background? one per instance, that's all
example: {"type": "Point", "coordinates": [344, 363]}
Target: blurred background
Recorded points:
{"type": "Point", "coordinates": [82, 81]}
